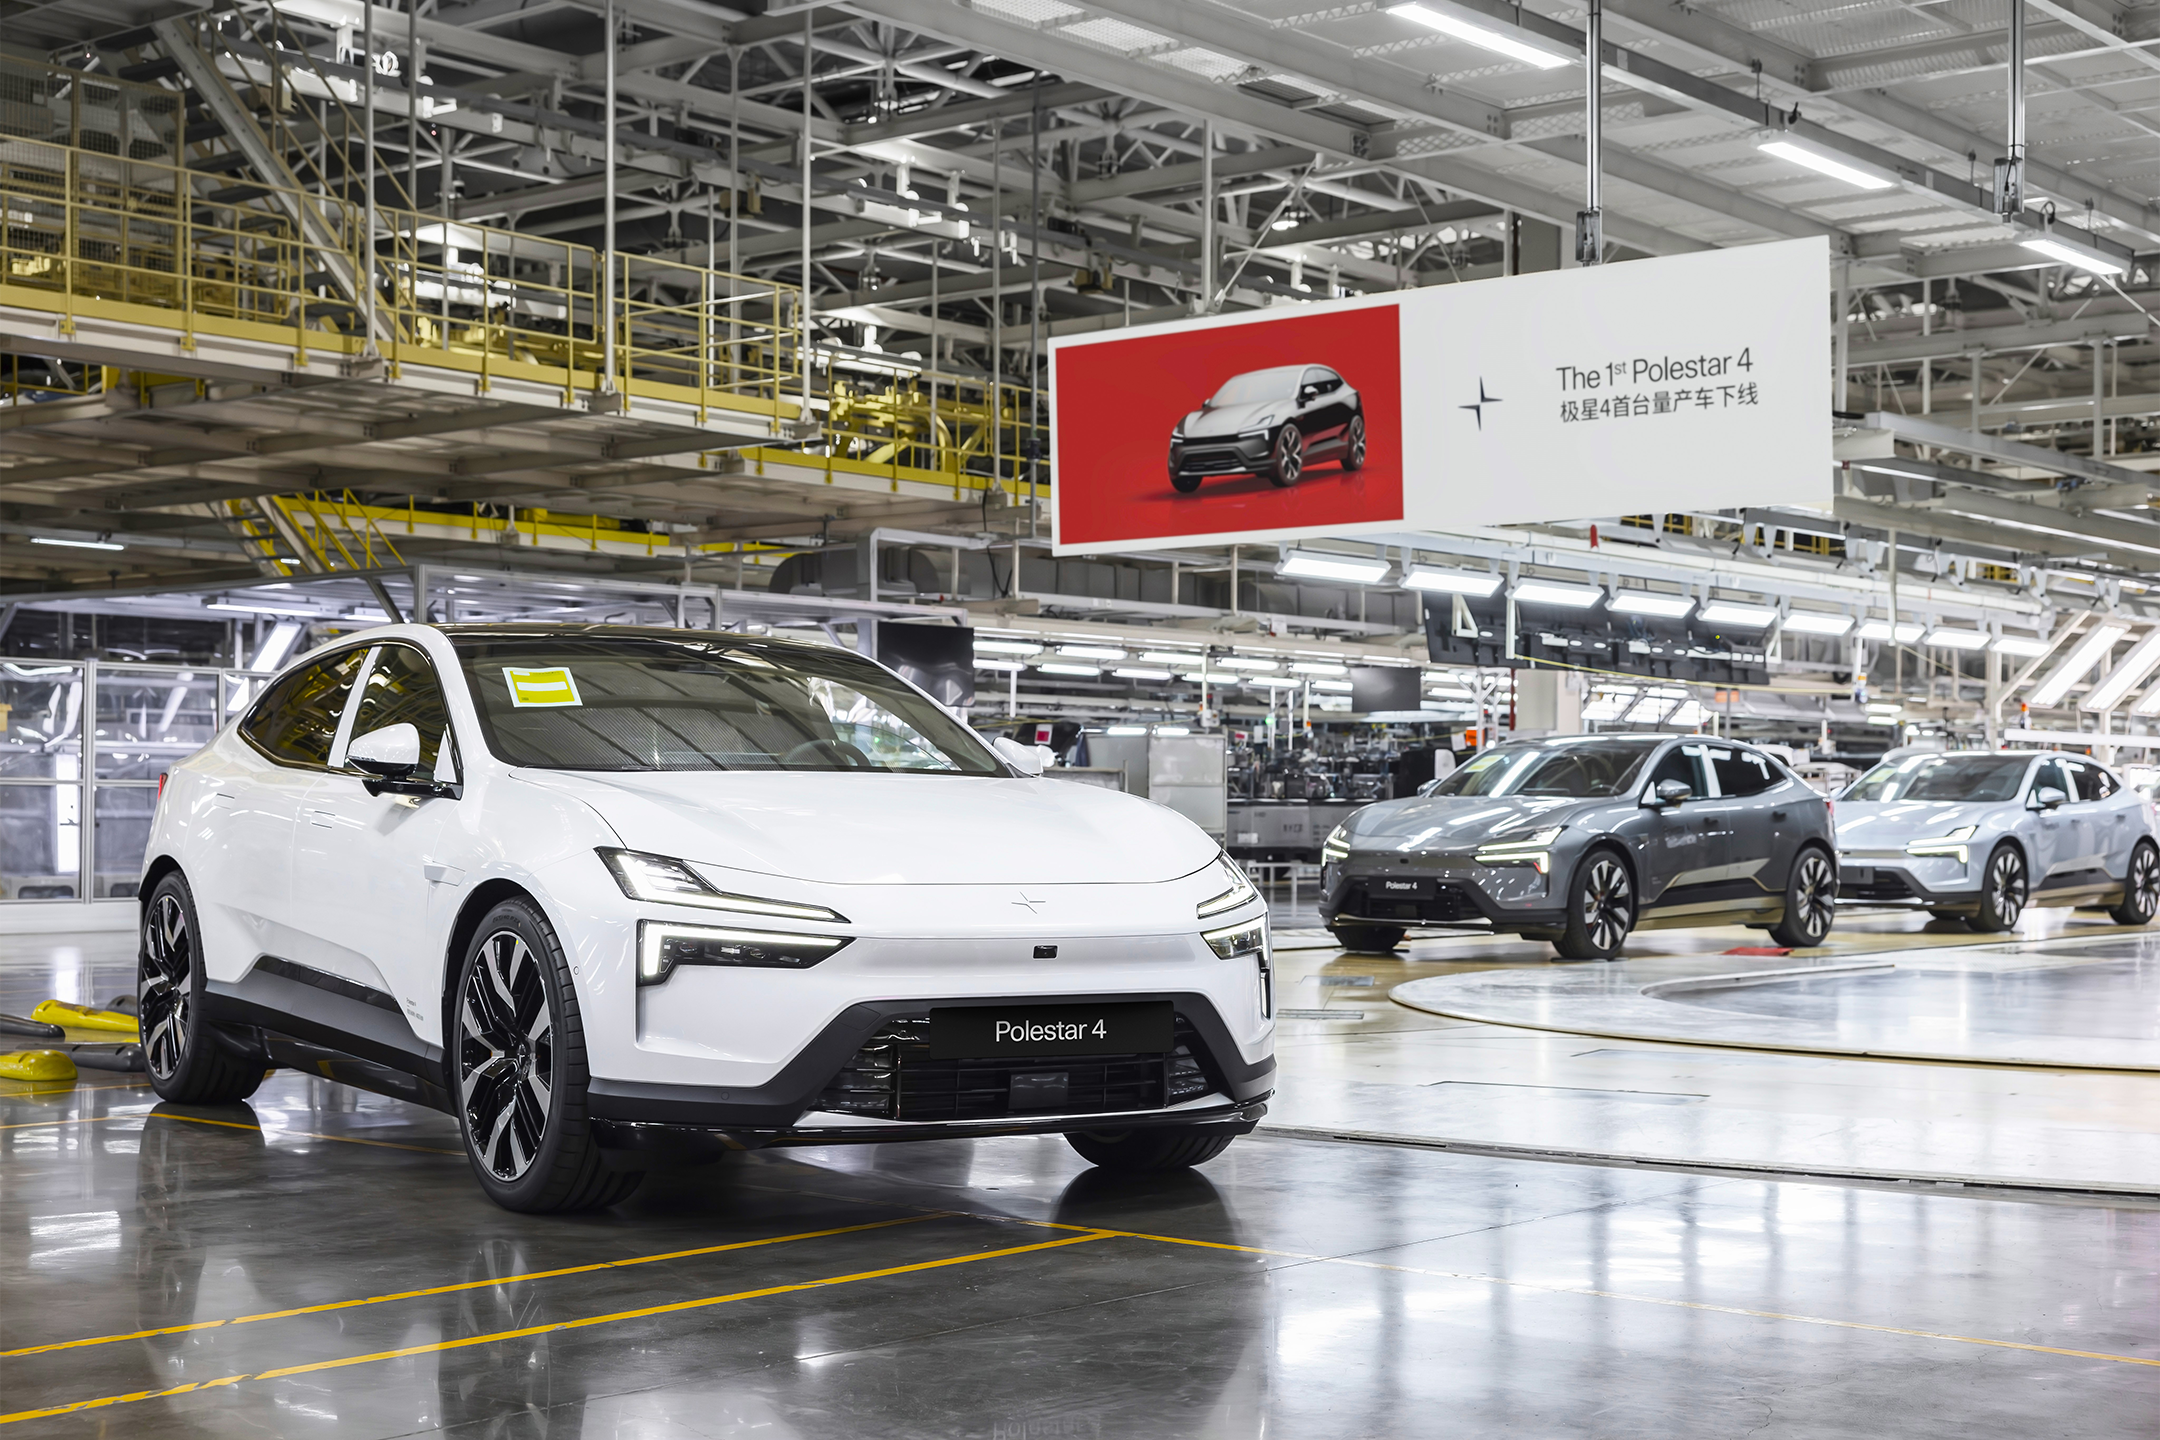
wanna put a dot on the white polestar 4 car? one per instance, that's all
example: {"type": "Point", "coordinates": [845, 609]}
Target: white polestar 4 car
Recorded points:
{"type": "Point", "coordinates": [620, 898]}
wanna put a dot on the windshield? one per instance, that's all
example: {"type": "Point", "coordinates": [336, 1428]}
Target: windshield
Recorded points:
{"type": "Point", "coordinates": [1943, 777]}
{"type": "Point", "coordinates": [1258, 386]}
{"type": "Point", "coordinates": [1579, 772]}
{"type": "Point", "coordinates": [575, 702]}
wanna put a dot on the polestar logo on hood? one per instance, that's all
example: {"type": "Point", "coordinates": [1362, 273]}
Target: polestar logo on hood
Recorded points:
{"type": "Point", "coordinates": [1033, 905]}
{"type": "Point", "coordinates": [1483, 400]}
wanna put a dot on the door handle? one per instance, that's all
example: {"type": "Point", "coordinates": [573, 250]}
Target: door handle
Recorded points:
{"type": "Point", "coordinates": [1777, 814]}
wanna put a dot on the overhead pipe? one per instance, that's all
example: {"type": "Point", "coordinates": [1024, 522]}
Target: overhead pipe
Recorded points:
{"type": "Point", "coordinates": [2010, 170]}
{"type": "Point", "coordinates": [1590, 221]}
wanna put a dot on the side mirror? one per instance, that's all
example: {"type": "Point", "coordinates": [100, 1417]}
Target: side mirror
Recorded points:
{"type": "Point", "coordinates": [1429, 786]}
{"type": "Point", "coordinates": [392, 752]}
{"type": "Point", "coordinates": [2047, 797]}
{"type": "Point", "coordinates": [1027, 759]}
{"type": "Point", "coordinates": [1670, 792]}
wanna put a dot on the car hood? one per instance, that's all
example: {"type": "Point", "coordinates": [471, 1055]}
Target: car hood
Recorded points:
{"type": "Point", "coordinates": [855, 829]}
{"type": "Point", "coordinates": [1230, 419]}
{"type": "Point", "coordinates": [1873, 826]}
{"type": "Point", "coordinates": [1450, 822]}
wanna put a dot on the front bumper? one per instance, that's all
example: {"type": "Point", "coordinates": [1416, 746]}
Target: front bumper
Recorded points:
{"type": "Point", "coordinates": [1935, 882]}
{"type": "Point", "coordinates": [1442, 889]}
{"type": "Point", "coordinates": [1228, 455]}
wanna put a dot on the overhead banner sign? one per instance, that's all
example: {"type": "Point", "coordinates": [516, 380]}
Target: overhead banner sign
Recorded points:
{"type": "Point", "coordinates": [1691, 382]}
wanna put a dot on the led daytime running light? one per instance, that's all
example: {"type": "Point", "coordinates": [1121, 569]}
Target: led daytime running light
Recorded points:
{"type": "Point", "coordinates": [1234, 940]}
{"type": "Point", "coordinates": [660, 880]}
{"type": "Point", "coordinates": [1240, 892]}
{"type": "Point", "coordinates": [663, 947]}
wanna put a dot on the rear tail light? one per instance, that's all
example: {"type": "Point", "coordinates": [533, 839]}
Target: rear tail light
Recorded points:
{"type": "Point", "coordinates": [161, 778]}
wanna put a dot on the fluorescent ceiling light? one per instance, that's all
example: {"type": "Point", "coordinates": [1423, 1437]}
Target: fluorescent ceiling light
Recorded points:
{"type": "Point", "coordinates": [2117, 684]}
{"type": "Point", "coordinates": [1173, 729]}
{"type": "Point", "coordinates": [1491, 40]}
{"type": "Point", "coordinates": [1006, 647]}
{"type": "Point", "coordinates": [1126, 730]}
{"type": "Point", "coordinates": [1645, 602]}
{"type": "Point", "coordinates": [1907, 631]}
{"type": "Point", "coordinates": [1891, 470]}
{"type": "Point", "coordinates": [236, 606]}
{"type": "Point", "coordinates": [1823, 165]}
{"type": "Point", "coordinates": [1957, 639]}
{"type": "Point", "coordinates": [1172, 657]}
{"type": "Point", "coordinates": [2089, 652]}
{"type": "Point", "coordinates": [1003, 667]}
{"type": "Point", "coordinates": [1455, 582]}
{"type": "Point", "coordinates": [1335, 685]}
{"type": "Point", "coordinates": [1273, 682]}
{"type": "Point", "coordinates": [1817, 622]}
{"type": "Point", "coordinates": [1091, 652]}
{"type": "Point", "coordinates": [2027, 645]}
{"type": "Point", "coordinates": [1319, 667]}
{"type": "Point", "coordinates": [1572, 597]}
{"type": "Point", "coordinates": [276, 646]}
{"type": "Point", "coordinates": [76, 544]}
{"type": "Point", "coordinates": [1245, 662]}
{"type": "Point", "coordinates": [1053, 669]}
{"type": "Point", "coordinates": [2092, 261]}
{"type": "Point", "coordinates": [1313, 565]}
{"type": "Point", "coordinates": [1746, 617]}
{"type": "Point", "coordinates": [1124, 674]}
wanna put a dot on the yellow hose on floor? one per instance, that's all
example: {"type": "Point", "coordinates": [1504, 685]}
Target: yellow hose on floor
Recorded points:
{"type": "Point", "coordinates": [36, 1065]}
{"type": "Point", "coordinates": [78, 1017]}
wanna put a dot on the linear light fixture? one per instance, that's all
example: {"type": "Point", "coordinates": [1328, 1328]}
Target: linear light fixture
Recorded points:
{"type": "Point", "coordinates": [1957, 639]}
{"type": "Point", "coordinates": [1568, 597]}
{"type": "Point", "coordinates": [2089, 652]}
{"type": "Point", "coordinates": [1907, 631]}
{"type": "Point", "coordinates": [1244, 662]}
{"type": "Point", "coordinates": [2062, 252]}
{"type": "Point", "coordinates": [1091, 652]}
{"type": "Point", "coordinates": [1090, 671]}
{"type": "Point", "coordinates": [1339, 686]}
{"type": "Point", "coordinates": [2148, 704]}
{"type": "Point", "coordinates": [1318, 565]}
{"type": "Point", "coordinates": [237, 607]}
{"type": "Point", "coordinates": [1647, 602]}
{"type": "Point", "coordinates": [1136, 674]}
{"type": "Point", "coordinates": [2026, 645]}
{"type": "Point", "coordinates": [1003, 667]}
{"type": "Point", "coordinates": [1171, 657]}
{"type": "Point", "coordinates": [1743, 617]}
{"type": "Point", "coordinates": [76, 544]}
{"type": "Point", "coordinates": [1476, 583]}
{"type": "Point", "coordinates": [1822, 164]}
{"type": "Point", "coordinates": [1491, 40]}
{"type": "Point", "coordinates": [1318, 667]}
{"type": "Point", "coordinates": [2127, 675]}
{"type": "Point", "coordinates": [1817, 622]}
{"type": "Point", "coordinates": [1006, 647]}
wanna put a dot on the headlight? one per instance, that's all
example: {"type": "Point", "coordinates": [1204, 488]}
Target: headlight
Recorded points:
{"type": "Point", "coordinates": [662, 947]}
{"type": "Point", "coordinates": [1240, 891]}
{"type": "Point", "coordinates": [1524, 849]}
{"type": "Point", "coordinates": [1952, 844]}
{"type": "Point", "coordinates": [1336, 846]}
{"type": "Point", "coordinates": [1246, 938]}
{"type": "Point", "coordinates": [670, 882]}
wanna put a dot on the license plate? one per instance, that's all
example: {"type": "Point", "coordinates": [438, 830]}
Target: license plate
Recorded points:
{"type": "Point", "coordinates": [1857, 875]}
{"type": "Point", "coordinates": [1389, 887]}
{"type": "Point", "coordinates": [989, 1032]}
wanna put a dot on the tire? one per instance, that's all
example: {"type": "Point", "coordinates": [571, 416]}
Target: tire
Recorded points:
{"type": "Point", "coordinates": [1948, 917]}
{"type": "Point", "coordinates": [1184, 484]}
{"type": "Point", "coordinates": [1810, 902]}
{"type": "Point", "coordinates": [1286, 458]}
{"type": "Point", "coordinates": [1600, 908]}
{"type": "Point", "coordinates": [1139, 1150]}
{"type": "Point", "coordinates": [1353, 455]}
{"type": "Point", "coordinates": [2003, 890]}
{"type": "Point", "coordinates": [2141, 887]}
{"type": "Point", "coordinates": [1368, 939]}
{"type": "Point", "coordinates": [183, 1056]}
{"type": "Point", "coordinates": [517, 1061]}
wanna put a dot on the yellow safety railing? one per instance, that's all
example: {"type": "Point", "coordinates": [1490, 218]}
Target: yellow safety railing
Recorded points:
{"type": "Point", "coordinates": [338, 531]}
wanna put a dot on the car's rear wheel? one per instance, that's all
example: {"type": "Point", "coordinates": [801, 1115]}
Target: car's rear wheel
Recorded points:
{"type": "Point", "coordinates": [2141, 887]}
{"type": "Point", "coordinates": [2003, 890]}
{"type": "Point", "coordinates": [186, 1062]}
{"type": "Point", "coordinates": [1810, 895]}
{"type": "Point", "coordinates": [519, 1048]}
{"type": "Point", "coordinates": [1353, 455]}
{"type": "Point", "coordinates": [1154, 1149]}
{"type": "Point", "coordinates": [1368, 939]}
{"type": "Point", "coordinates": [1286, 461]}
{"type": "Point", "coordinates": [1600, 908]}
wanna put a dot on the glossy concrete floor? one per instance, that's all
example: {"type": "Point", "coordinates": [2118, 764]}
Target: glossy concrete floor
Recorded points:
{"type": "Point", "coordinates": [319, 1263]}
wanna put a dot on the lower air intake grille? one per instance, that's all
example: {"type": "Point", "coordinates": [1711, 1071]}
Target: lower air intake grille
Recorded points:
{"type": "Point", "coordinates": [892, 1077]}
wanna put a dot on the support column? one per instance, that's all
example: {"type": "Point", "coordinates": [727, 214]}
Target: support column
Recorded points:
{"type": "Point", "coordinates": [2010, 171]}
{"type": "Point", "coordinates": [802, 304]}
{"type": "Point", "coordinates": [1590, 222]}
{"type": "Point", "coordinates": [367, 141]}
{"type": "Point", "coordinates": [1207, 219]}
{"type": "Point", "coordinates": [607, 221]}
{"type": "Point", "coordinates": [2100, 435]}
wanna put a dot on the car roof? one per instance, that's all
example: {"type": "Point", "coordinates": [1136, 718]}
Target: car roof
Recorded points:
{"type": "Point", "coordinates": [1274, 370]}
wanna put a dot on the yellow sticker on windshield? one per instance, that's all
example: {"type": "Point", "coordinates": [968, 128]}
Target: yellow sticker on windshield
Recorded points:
{"type": "Point", "coordinates": [550, 686]}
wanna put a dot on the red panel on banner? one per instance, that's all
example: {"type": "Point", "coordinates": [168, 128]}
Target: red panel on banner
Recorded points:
{"type": "Point", "coordinates": [1120, 401]}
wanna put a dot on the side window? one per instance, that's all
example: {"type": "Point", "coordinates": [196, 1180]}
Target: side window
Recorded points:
{"type": "Point", "coordinates": [1742, 773]}
{"type": "Point", "coordinates": [401, 689]}
{"type": "Point", "coordinates": [296, 720]}
{"type": "Point", "coordinates": [1682, 763]}
{"type": "Point", "coordinates": [2092, 782]}
{"type": "Point", "coordinates": [1326, 382]}
{"type": "Point", "coordinates": [2051, 773]}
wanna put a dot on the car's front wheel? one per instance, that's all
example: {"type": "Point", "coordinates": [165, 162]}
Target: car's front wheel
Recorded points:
{"type": "Point", "coordinates": [519, 1044]}
{"type": "Point", "coordinates": [1368, 939]}
{"type": "Point", "coordinates": [2002, 890]}
{"type": "Point", "coordinates": [1810, 896]}
{"type": "Point", "coordinates": [1286, 461]}
{"type": "Point", "coordinates": [1600, 908]}
{"type": "Point", "coordinates": [1156, 1149]}
{"type": "Point", "coordinates": [183, 1055]}
{"type": "Point", "coordinates": [2141, 887]}
{"type": "Point", "coordinates": [1353, 455]}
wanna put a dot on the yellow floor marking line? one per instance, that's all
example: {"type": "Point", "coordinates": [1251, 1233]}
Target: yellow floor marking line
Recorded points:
{"type": "Point", "coordinates": [62, 1089]}
{"type": "Point", "coordinates": [443, 1346]}
{"type": "Point", "coordinates": [466, 1285]}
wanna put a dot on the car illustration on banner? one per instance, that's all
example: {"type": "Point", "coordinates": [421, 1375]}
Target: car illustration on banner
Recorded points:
{"type": "Point", "coordinates": [622, 898]}
{"type": "Point", "coordinates": [1276, 423]}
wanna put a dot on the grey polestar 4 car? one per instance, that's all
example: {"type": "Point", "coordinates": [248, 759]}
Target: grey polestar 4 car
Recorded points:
{"type": "Point", "coordinates": [1277, 423]}
{"type": "Point", "coordinates": [1979, 837]}
{"type": "Point", "coordinates": [1582, 839]}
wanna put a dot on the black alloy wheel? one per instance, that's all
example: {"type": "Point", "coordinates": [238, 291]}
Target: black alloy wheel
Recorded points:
{"type": "Point", "coordinates": [1353, 456]}
{"type": "Point", "coordinates": [184, 1057]}
{"type": "Point", "coordinates": [2002, 890]}
{"type": "Point", "coordinates": [1184, 484]}
{"type": "Point", "coordinates": [1600, 910]}
{"type": "Point", "coordinates": [520, 1071]}
{"type": "Point", "coordinates": [1165, 1148]}
{"type": "Point", "coordinates": [1288, 459]}
{"type": "Point", "coordinates": [2141, 888]}
{"type": "Point", "coordinates": [1810, 902]}
{"type": "Point", "coordinates": [1368, 939]}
